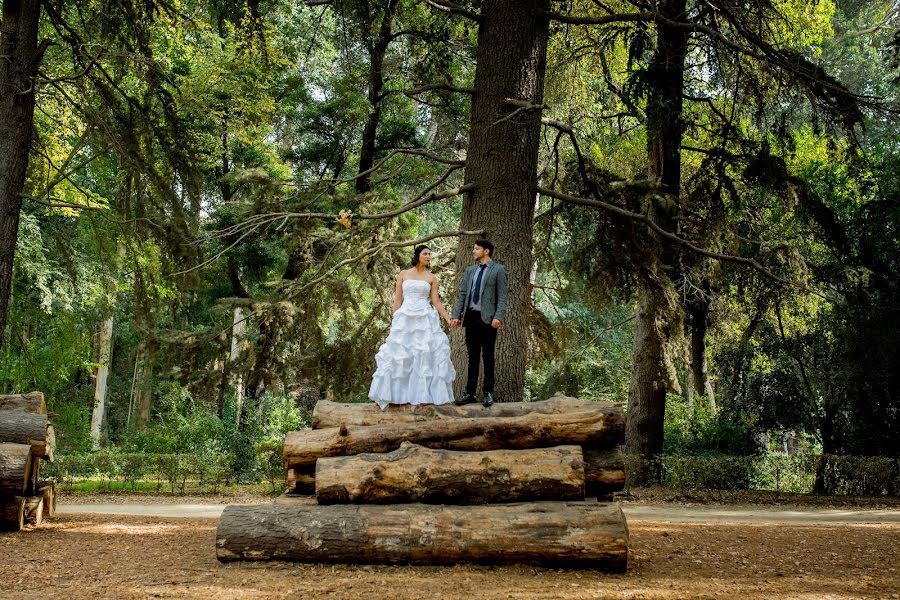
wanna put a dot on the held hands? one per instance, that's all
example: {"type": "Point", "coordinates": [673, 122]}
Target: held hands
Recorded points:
{"type": "Point", "coordinates": [454, 323]}
{"type": "Point", "coordinates": [496, 324]}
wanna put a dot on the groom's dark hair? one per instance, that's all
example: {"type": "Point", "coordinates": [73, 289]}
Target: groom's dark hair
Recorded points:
{"type": "Point", "coordinates": [487, 245]}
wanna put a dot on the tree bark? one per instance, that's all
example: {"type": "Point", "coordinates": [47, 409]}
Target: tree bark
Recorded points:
{"type": "Point", "coordinates": [15, 468]}
{"type": "Point", "coordinates": [417, 474]}
{"type": "Point", "coordinates": [33, 510]}
{"type": "Point", "coordinates": [335, 414]}
{"type": "Point", "coordinates": [564, 534]}
{"type": "Point", "coordinates": [600, 427]}
{"type": "Point", "coordinates": [502, 164]}
{"type": "Point", "coordinates": [18, 70]}
{"type": "Point", "coordinates": [604, 471]}
{"type": "Point", "coordinates": [32, 402]}
{"type": "Point", "coordinates": [655, 321]}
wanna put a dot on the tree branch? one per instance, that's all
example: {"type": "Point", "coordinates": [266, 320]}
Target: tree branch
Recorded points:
{"type": "Point", "coordinates": [456, 9]}
{"type": "Point", "coordinates": [446, 87]}
{"type": "Point", "coordinates": [668, 236]}
{"type": "Point", "coordinates": [642, 17]}
{"type": "Point", "coordinates": [376, 250]}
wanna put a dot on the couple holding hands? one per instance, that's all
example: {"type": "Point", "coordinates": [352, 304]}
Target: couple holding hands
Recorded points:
{"type": "Point", "coordinates": [413, 363]}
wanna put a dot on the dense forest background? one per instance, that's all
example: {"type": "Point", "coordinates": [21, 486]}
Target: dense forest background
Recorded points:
{"type": "Point", "coordinates": [219, 196]}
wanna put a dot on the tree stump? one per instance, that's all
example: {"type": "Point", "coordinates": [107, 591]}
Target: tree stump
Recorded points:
{"type": "Point", "coordinates": [553, 534]}
{"type": "Point", "coordinates": [602, 426]}
{"type": "Point", "coordinates": [417, 474]}
{"type": "Point", "coordinates": [335, 414]}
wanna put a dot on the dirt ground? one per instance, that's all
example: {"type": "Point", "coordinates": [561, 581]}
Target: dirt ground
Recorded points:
{"type": "Point", "coordinates": [77, 556]}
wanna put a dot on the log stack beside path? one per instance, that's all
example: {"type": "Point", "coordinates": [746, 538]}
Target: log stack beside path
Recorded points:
{"type": "Point", "coordinates": [446, 484]}
{"type": "Point", "coordinates": [26, 438]}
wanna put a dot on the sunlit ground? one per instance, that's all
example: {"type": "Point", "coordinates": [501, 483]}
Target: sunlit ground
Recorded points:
{"type": "Point", "coordinates": [102, 556]}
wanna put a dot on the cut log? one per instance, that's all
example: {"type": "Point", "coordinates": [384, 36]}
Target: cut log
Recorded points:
{"type": "Point", "coordinates": [301, 480]}
{"type": "Point", "coordinates": [49, 447]}
{"type": "Point", "coordinates": [604, 471]}
{"type": "Point", "coordinates": [603, 426]}
{"type": "Point", "coordinates": [559, 534]}
{"type": "Point", "coordinates": [12, 513]}
{"type": "Point", "coordinates": [33, 512]}
{"type": "Point", "coordinates": [417, 474]}
{"type": "Point", "coordinates": [32, 402]}
{"type": "Point", "coordinates": [334, 414]}
{"type": "Point", "coordinates": [47, 490]}
{"type": "Point", "coordinates": [15, 468]}
{"type": "Point", "coordinates": [23, 428]}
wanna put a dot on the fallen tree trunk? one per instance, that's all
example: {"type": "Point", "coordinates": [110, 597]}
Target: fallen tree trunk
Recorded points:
{"type": "Point", "coordinates": [48, 448]}
{"type": "Point", "coordinates": [335, 414]}
{"type": "Point", "coordinates": [32, 402]}
{"type": "Point", "coordinates": [23, 428]}
{"type": "Point", "coordinates": [12, 513]}
{"type": "Point", "coordinates": [599, 427]}
{"type": "Point", "coordinates": [33, 510]}
{"type": "Point", "coordinates": [15, 468]}
{"type": "Point", "coordinates": [562, 534]}
{"type": "Point", "coordinates": [417, 474]}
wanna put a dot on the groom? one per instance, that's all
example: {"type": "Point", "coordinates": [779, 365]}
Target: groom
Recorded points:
{"type": "Point", "coordinates": [481, 307]}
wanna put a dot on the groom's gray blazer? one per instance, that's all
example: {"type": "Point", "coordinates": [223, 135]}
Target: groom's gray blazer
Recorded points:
{"type": "Point", "coordinates": [493, 298]}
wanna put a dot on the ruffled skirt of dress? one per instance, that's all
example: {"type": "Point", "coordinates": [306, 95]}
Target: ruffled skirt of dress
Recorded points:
{"type": "Point", "coordinates": [413, 363]}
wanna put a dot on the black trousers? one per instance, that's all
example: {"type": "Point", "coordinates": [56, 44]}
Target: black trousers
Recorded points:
{"type": "Point", "coordinates": [480, 341]}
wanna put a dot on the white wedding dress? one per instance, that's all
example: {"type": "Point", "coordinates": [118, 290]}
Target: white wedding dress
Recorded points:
{"type": "Point", "coordinates": [413, 363]}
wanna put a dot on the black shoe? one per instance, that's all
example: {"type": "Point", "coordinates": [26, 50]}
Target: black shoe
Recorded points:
{"type": "Point", "coordinates": [487, 400]}
{"type": "Point", "coordinates": [466, 398]}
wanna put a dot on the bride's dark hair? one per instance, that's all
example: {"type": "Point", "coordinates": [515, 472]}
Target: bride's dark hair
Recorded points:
{"type": "Point", "coordinates": [416, 253]}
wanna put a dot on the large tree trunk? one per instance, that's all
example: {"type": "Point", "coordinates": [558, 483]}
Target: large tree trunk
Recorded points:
{"type": "Point", "coordinates": [335, 414]}
{"type": "Point", "coordinates": [377, 51]}
{"type": "Point", "coordinates": [12, 513]}
{"type": "Point", "coordinates": [23, 428]}
{"type": "Point", "coordinates": [502, 164]}
{"type": "Point", "coordinates": [599, 428]}
{"type": "Point", "coordinates": [18, 70]}
{"type": "Point", "coordinates": [104, 358]}
{"type": "Point", "coordinates": [417, 474]}
{"type": "Point", "coordinates": [564, 534]}
{"type": "Point", "coordinates": [650, 374]}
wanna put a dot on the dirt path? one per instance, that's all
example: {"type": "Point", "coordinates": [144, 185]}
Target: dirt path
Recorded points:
{"type": "Point", "coordinates": [77, 556]}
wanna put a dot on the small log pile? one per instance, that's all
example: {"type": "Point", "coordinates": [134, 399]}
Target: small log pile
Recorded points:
{"type": "Point", "coordinates": [445, 484]}
{"type": "Point", "coordinates": [26, 439]}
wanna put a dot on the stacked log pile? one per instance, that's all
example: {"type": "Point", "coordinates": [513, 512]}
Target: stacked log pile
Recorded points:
{"type": "Point", "coordinates": [445, 484]}
{"type": "Point", "coordinates": [26, 439]}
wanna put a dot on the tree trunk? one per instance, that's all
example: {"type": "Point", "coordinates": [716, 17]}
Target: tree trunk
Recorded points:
{"type": "Point", "coordinates": [377, 51]}
{"type": "Point", "coordinates": [599, 428]}
{"type": "Point", "coordinates": [15, 468]}
{"type": "Point", "coordinates": [563, 534]}
{"type": "Point", "coordinates": [33, 510]}
{"type": "Point", "coordinates": [650, 372]}
{"type": "Point", "coordinates": [417, 474]}
{"type": "Point", "coordinates": [104, 358]}
{"type": "Point", "coordinates": [32, 402]}
{"type": "Point", "coordinates": [237, 330]}
{"type": "Point", "coordinates": [335, 414]}
{"type": "Point", "coordinates": [502, 163]}
{"type": "Point", "coordinates": [604, 470]}
{"type": "Point", "coordinates": [143, 393]}
{"type": "Point", "coordinates": [699, 365]}
{"type": "Point", "coordinates": [18, 70]}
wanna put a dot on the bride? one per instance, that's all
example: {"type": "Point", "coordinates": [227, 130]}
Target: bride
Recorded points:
{"type": "Point", "coordinates": [413, 363]}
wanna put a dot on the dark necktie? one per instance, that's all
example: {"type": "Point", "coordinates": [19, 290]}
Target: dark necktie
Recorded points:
{"type": "Point", "coordinates": [476, 293]}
